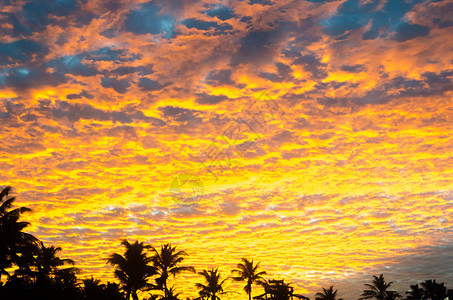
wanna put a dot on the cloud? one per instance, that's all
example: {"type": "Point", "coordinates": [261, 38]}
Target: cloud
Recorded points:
{"type": "Point", "coordinates": [283, 71]}
{"type": "Point", "coordinates": [72, 65]}
{"type": "Point", "coordinates": [261, 2]}
{"type": "Point", "coordinates": [17, 28]}
{"type": "Point", "coordinates": [260, 45]}
{"type": "Point", "coordinates": [405, 32]}
{"type": "Point", "coordinates": [353, 68]}
{"type": "Point", "coordinates": [230, 208]}
{"type": "Point", "coordinates": [283, 137]}
{"type": "Point", "coordinates": [119, 85]}
{"type": "Point", "coordinates": [77, 111]}
{"type": "Point", "coordinates": [187, 211]}
{"type": "Point", "coordinates": [354, 14]}
{"type": "Point", "coordinates": [21, 50]}
{"type": "Point", "coordinates": [34, 73]}
{"type": "Point", "coordinates": [29, 76]}
{"type": "Point", "coordinates": [350, 15]}
{"type": "Point", "coordinates": [311, 64]}
{"type": "Point", "coordinates": [221, 12]}
{"type": "Point", "coordinates": [108, 54]}
{"type": "Point", "coordinates": [148, 19]}
{"type": "Point", "coordinates": [83, 64]}
{"type": "Point", "coordinates": [204, 98]}
{"type": "Point", "coordinates": [205, 25]}
{"type": "Point", "coordinates": [36, 13]}
{"type": "Point", "coordinates": [220, 77]}
{"type": "Point", "coordinates": [83, 94]}
{"type": "Point", "coordinates": [179, 114]}
{"type": "Point", "coordinates": [126, 70]}
{"type": "Point", "coordinates": [147, 84]}
{"type": "Point", "coordinates": [23, 148]}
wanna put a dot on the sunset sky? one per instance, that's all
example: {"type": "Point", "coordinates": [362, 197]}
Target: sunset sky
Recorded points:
{"type": "Point", "coordinates": [313, 136]}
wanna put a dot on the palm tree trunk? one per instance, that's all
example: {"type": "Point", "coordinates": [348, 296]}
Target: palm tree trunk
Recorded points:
{"type": "Point", "coordinates": [250, 295]}
{"type": "Point", "coordinates": [134, 295]}
{"type": "Point", "coordinates": [165, 289]}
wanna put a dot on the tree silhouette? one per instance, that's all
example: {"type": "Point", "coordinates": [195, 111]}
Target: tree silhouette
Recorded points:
{"type": "Point", "coordinates": [66, 284]}
{"type": "Point", "coordinates": [213, 284]}
{"type": "Point", "coordinates": [166, 260]}
{"type": "Point", "coordinates": [14, 242]}
{"type": "Point", "coordinates": [393, 295]}
{"type": "Point", "coordinates": [248, 272]}
{"type": "Point", "coordinates": [112, 291]}
{"type": "Point", "coordinates": [278, 289]}
{"type": "Point", "coordinates": [172, 295]}
{"type": "Point", "coordinates": [379, 289]}
{"type": "Point", "coordinates": [94, 290]}
{"type": "Point", "coordinates": [415, 293]}
{"type": "Point", "coordinates": [133, 269]}
{"type": "Point", "coordinates": [47, 264]}
{"type": "Point", "coordinates": [328, 294]}
{"type": "Point", "coordinates": [434, 290]}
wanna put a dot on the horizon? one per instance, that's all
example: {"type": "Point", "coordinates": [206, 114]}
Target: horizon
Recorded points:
{"type": "Point", "coordinates": [312, 136]}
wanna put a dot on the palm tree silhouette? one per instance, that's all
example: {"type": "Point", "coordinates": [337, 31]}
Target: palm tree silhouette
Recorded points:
{"type": "Point", "coordinates": [133, 269]}
{"type": "Point", "coordinates": [172, 295]}
{"type": "Point", "coordinates": [66, 281]}
{"type": "Point", "coordinates": [47, 263]}
{"type": "Point", "coordinates": [328, 294]}
{"type": "Point", "coordinates": [213, 286]}
{"type": "Point", "coordinates": [166, 260]}
{"type": "Point", "coordinates": [14, 242]}
{"type": "Point", "coordinates": [113, 291]}
{"type": "Point", "coordinates": [434, 290]}
{"type": "Point", "coordinates": [393, 295]}
{"type": "Point", "coordinates": [247, 271]}
{"type": "Point", "coordinates": [95, 290]}
{"type": "Point", "coordinates": [92, 288]}
{"type": "Point", "coordinates": [379, 289]}
{"type": "Point", "coordinates": [415, 293]}
{"type": "Point", "coordinates": [278, 289]}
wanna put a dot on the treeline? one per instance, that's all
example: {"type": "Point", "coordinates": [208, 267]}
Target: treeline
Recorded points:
{"type": "Point", "coordinates": [31, 270]}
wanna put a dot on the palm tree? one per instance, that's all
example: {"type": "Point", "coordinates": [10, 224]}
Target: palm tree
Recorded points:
{"type": "Point", "coordinates": [113, 291]}
{"type": "Point", "coordinates": [66, 282]}
{"type": "Point", "coordinates": [14, 242]}
{"type": "Point", "coordinates": [415, 293]}
{"type": "Point", "coordinates": [278, 289]}
{"type": "Point", "coordinates": [172, 295]}
{"type": "Point", "coordinates": [92, 288]}
{"type": "Point", "coordinates": [213, 286]}
{"type": "Point", "coordinates": [51, 273]}
{"type": "Point", "coordinates": [133, 269]}
{"type": "Point", "coordinates": [328, 294]}
{"type": "Point", "coordinates": [247, 271]}
{"type": "Point", "coordinates": [166, 261]}
{"type": "Point", "coordinates": [47, 263]}
{"type": "Point", "coordinates": [393, 295]}
{"type": "Point", "coordinates": [379, 289]}
{"type": "Point", "coordinates": [434, 290]}
{"type": "Point", "coordinates": [95, 290]}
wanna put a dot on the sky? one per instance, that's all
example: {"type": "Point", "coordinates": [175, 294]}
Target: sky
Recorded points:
{"type": "Point", "coordinates": [312, 136]}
